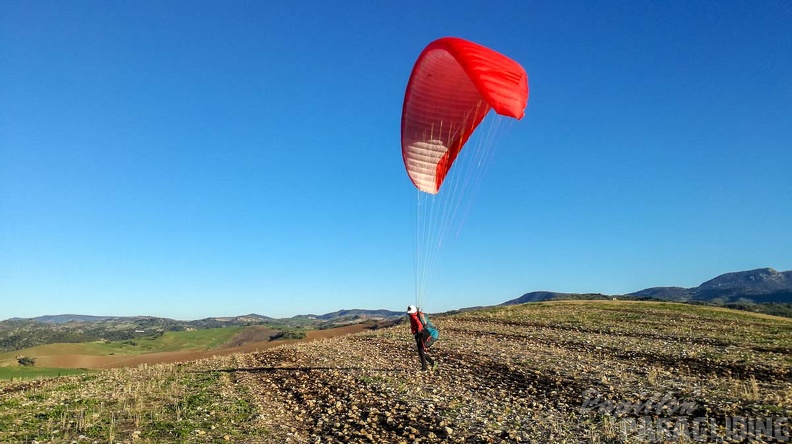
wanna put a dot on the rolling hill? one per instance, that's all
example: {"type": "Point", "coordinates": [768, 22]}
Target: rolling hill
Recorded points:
{"type": "Point", "coordinates": [560, 371]}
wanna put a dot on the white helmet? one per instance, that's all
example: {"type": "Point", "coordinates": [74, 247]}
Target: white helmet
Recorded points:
{"type": "Point", "coordinates": [412, 309]}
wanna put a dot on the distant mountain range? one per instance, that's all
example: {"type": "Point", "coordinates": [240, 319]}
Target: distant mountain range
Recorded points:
{"type": "Point", "coordinates": [67, 318]}
{"type": "Point", "coordinates": [763, 290]}
{"type": "Point", "coordinates": [336, 317]}
{"type": "Point", "coordinates": [19, 333]}
{"type": "Point", "coordinates": [755, 286]}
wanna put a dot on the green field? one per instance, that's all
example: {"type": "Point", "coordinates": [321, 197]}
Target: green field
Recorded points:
{"type": "Point", "coordinates": [19, 372]}
{"type": "Point", "coordinates": [169, 341]}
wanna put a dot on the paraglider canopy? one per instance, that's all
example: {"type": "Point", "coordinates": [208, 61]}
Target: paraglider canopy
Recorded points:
{"type": "Point", "coordinates": [453, 85]}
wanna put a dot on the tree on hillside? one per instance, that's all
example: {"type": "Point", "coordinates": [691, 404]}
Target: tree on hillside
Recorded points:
{"type": "Point", "coordinates": [26, 361]}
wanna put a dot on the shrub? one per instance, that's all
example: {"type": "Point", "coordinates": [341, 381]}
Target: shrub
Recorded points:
{"type": "Point", "coordinates": [26, 361]}
{"type": "Point", "coordinates": [288, 334]}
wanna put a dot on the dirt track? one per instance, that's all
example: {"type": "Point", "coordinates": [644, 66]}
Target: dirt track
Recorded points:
{"type": "Point", "coordinates": [115, 361]}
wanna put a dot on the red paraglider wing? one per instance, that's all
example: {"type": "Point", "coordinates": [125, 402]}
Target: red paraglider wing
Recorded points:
{"type": "Point", "coordinates": [453, 85]}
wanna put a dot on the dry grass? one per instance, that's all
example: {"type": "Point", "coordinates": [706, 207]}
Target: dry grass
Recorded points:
{"type": "Point", "coordinates": [143, 404]}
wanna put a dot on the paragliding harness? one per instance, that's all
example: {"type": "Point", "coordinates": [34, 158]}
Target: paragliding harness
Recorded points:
{"type": "Point", "coordinates": [429, 333]}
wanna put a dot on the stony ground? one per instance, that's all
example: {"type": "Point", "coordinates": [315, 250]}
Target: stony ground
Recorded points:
{"type": "Point", "coordinates": [527, 374]}
{"type": "Point", "coordinates": [554, 372]}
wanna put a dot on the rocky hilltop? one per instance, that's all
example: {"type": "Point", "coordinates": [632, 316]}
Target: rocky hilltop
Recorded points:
{"type": "Point", "coordinates": [760, 285]}
{"type": "Point", "coordinates": [760, 281]}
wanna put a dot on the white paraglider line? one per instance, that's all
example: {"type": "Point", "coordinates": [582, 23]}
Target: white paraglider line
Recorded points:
{"type": "Point", "coordinates": [439, 218]}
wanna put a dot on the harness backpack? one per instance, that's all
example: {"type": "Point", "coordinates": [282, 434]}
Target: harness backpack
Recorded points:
{"type": "Point", "coordinates": [434, 333]}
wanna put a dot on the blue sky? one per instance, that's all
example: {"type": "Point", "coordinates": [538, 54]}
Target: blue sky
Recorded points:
{"type": "Point", "coordinates": [206, 158]}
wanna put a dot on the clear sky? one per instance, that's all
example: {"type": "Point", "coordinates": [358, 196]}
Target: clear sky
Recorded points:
{"type": "Point", "coordinates": [189, 159]}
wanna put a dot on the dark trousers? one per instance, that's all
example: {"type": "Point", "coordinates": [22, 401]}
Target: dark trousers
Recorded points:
{"type": "Point", "coordinates": [419, 342]}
